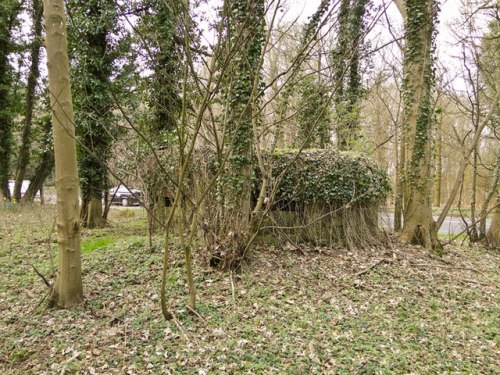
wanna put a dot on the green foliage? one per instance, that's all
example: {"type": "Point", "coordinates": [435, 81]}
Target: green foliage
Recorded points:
{"type": "Point", "coordinates": [309, 33]}
{"type": "Point", "coordinates": [314, 117]}
{"type": "Point", "coordinates": [95, 44]}
{"type": "Point", "coordinates": [346, 62]}
{"type": "Point", "coordinates": [160, 28]}
{"type": "Point", "coordinates": [329, 177]}
{"type": "Point", "coordinates": [9, 10]}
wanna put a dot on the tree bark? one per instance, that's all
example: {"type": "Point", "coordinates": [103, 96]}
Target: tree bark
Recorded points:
{"type": "Point", "coordinates": [94, 214]}
{"type": "Point", "coordinates": [68, 290]}
{"type": "Point", "coordinates": [493, 235]}
{"type": "Point", "coordinates": [439, 167]}
{"type": "Point", "coordinates": [24, 149]}
{"type": "Point", "coordinates": [494, 188]}
{"type": "Point", "coordinates": [473, 234]}
{"type": "Point", "coordinates": [42, 171]}
{"type": "Point", "coordinates": [398, 191]}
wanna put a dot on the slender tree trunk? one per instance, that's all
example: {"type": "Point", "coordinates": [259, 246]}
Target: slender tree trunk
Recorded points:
{"type": "Point", "coordinates": [68, 290]}
{"type": "Point", "coordinates": [24, 149]}
{"type": "Point", "coordinates": [439, 167]}
{"type": "Point", "coordinates": [474, 236]}
{"type": "Point", "coordinates": [398, 191]}
{"type": "Point", "coordinates": [418, 226]}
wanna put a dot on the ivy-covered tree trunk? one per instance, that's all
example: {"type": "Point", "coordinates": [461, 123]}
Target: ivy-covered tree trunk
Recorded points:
{"type": "Point", "coordinates": [314, 118]}
{"type": "Point", "coordinates": [245, 38]}
{"type": "Point", "coordinates": [346, 61]}
{"type": "Point", "coordinates": [8, 13]}
{"type": "Point", "coordinates": [418, 226]}
{"type": "Point", "coordinates": [309, 33]}
{"type": "Point", "coordinates": [68, 290]}
{"type": "Point", "coordinates": [160, 24]}
{"type": "Point", "coordinates": [24, 150]}
{"type": "Point", "coordinates": [92, 22]}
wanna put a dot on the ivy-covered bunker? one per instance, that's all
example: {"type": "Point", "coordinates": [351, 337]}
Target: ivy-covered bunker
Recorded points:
{"type": "Point", "coordinates": [325, 197]}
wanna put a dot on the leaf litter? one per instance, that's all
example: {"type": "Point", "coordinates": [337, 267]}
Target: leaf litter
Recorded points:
{"type": "Point", "coordinates": [386, 310]}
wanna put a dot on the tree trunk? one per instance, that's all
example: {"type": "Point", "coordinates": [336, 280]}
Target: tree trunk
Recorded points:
{"type": "Point", "coordinates": [439, 167]}
{"type": "Point", "coordinates": [494, 188]}
{"type": "Point", "coordinates": [5, 101]}
{"type": "Point", "coordinates": [246, 33]}
{"type": "Point", "coordinates": [24, 150]}
{"type": "Point", "coordinates": [418, 226]}
{"type": "Point", "coordinates": [473, 234]}
{"type": "Point", "coordinates": [94, 214]}
{"type": "Point", "coordinates": [42, 171]}
{"type": "Point", "coordinates": [493, 235]}
{"type": "Point", "coordinates": [68, 290]}
{"type": "Point", "coordinates": [398, 191]}
{"type": "Point", "coordinates": [94, 56]}
{"type": "Point", "coordinates": [346, 57]}
{"type": "Point", "coordinates": [46, 164]}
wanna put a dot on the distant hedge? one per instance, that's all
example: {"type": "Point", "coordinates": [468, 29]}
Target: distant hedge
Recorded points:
{"type": "Point", "coordinates": [328, 176]}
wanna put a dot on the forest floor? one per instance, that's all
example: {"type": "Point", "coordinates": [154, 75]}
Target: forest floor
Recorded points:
{"type": "Point", "coordinates": [317, 310]}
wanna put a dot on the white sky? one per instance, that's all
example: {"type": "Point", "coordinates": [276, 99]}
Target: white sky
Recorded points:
{"type": "Point", "coordinates": [447, 47]}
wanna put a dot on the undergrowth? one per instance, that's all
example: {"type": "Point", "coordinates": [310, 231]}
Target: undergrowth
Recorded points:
{"type": "Point", "coordinates": [291, 310]}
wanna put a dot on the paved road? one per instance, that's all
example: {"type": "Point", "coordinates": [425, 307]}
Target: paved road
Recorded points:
{"type": "Point", "coordinates": [451, 225]}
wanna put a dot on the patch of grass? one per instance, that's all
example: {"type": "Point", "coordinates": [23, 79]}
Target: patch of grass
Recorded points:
{"type": "Point", "coordinates": [127, 212]}
{"type": "Point", "coordinates": [92, 244]}
{"type": "Point", "coordinates": [457, 237]}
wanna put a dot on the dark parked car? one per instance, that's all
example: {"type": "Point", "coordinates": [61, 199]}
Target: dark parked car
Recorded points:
{"type": "Point", "coordinates": [125, 196]}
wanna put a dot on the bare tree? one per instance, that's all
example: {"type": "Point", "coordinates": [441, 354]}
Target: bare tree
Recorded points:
{"type": "Point", "coordinates": [68, 290]}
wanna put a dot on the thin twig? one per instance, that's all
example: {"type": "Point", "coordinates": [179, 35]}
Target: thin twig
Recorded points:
{"type": "Point", "coordinates": [66, 363]}
{"type": "Point", "coordinates": [480, 283]}
{"type": "Point", "coordinates": [445, 267]}
{"type": "Point", "coordinates": [233, 292]}
{"type": "Point", "coordinates": [383, 260]}
{"type": "Point", "coordinates": [42, 277]}
{"type": "Point", "coordinates": [195, 313]}
{"type": "Point", "coordinates": [178, 324]}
